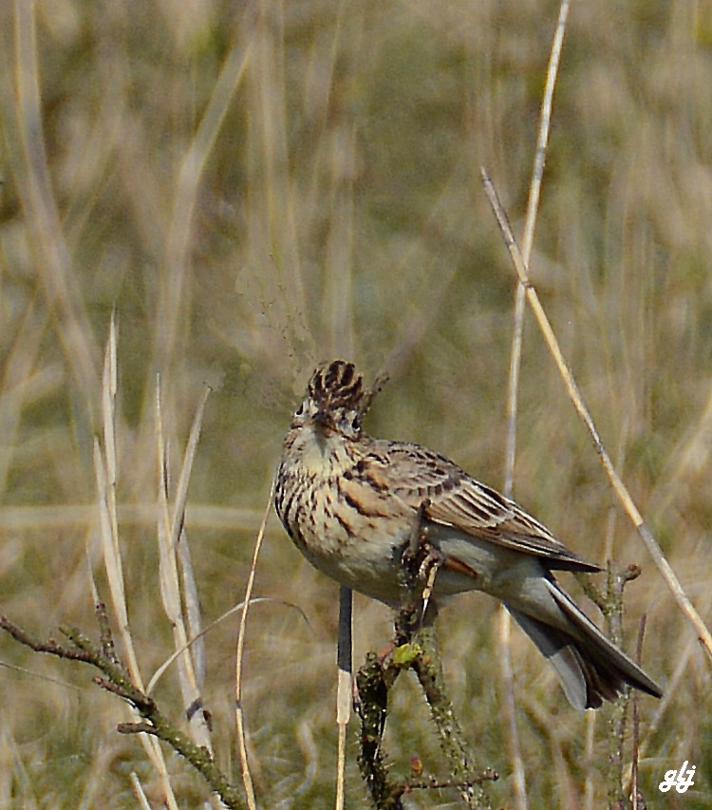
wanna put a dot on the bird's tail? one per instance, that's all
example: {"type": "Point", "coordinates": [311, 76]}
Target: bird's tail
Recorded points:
{"type": "Point", "coordinates": [590, 667]}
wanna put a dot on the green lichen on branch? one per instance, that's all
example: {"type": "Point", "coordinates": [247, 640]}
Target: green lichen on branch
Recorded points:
{"type": "Point", "coordinates": [610, 603]}
{"type": "Point", "coordinates": [115, 679]}
{"type": "Point", "coordinates": [415, 648]}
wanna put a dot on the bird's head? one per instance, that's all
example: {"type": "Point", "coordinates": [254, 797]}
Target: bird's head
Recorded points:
{"type": "Point", "coordinates": [336, 400]}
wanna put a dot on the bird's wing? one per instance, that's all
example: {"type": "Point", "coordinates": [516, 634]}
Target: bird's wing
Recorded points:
{"type": "Point", "coordinates": [417, 475]}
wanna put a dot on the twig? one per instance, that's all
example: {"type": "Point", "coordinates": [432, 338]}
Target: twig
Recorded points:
{"type": "Point", "coordinates": [429, 671]}
{"type": "Point", "coordinates": [106, 637]}
{"type": "Point", "coordinates": [116, 679]}
{"type": "Point", "coordinates": [612, 608]}
{"type": "Point", "coordinates": [669, 576]}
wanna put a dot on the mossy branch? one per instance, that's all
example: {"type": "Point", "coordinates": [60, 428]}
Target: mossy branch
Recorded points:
{"type": "Point", "coordinates": [610, 602]}
{"type": "Point", "coordinates": [115, 679]}
{"type": "Point", "coordinates": [415, 647]}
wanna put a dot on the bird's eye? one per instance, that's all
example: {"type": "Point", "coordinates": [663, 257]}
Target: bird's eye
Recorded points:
{"type": "Point", "coordinates": [355, 423]}
{"type": "Point", "coordinates": [300, 410]}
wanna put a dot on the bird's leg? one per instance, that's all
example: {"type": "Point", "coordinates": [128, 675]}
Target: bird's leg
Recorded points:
{"type": "Point", "coordinates": [429, 568]}
{"type": "Point", "coordinates": [421, 563]}
{"type": "Point", "coordinates": [417, 531]}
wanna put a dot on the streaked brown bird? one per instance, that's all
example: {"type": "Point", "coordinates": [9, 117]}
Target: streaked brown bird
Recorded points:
{"type": "Point", "coordinates": [349, 503]}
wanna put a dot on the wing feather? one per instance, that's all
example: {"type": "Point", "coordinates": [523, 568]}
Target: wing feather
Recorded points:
{"type": "Point", "coordinates": [456, 499]}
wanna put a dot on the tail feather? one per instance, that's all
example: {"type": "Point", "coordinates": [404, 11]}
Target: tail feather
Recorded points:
{"type": "Point", "coordinates": [590, 667]}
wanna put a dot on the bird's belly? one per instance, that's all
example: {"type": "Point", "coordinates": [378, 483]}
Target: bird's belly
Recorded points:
{"type": "Point", "coordinates": [375, 575]}
{"type": "Point", "coordinates": [364, 558]}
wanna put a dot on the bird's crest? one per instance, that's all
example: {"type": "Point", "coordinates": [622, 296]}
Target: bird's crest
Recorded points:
{"type": "Point", "coordinates": [337, 385]}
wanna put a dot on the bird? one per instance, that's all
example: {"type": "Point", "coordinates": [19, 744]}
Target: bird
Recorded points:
{"type": "Point", "coordinates": [349, 503]}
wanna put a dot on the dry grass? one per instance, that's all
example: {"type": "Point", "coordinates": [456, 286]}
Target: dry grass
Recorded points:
{"type": "Point", "coordinates": [256, 190]}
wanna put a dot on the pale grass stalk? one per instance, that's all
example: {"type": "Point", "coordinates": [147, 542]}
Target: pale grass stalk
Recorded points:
{"type": "Point", "coordinates": [338, 293]}
{"type": "Point", "coordinates": [52, 260]}
{"type": "Point", "coordinates": [41, 676]}
{"type": "Point", "coordinates": [520, 787]}
{"type": "Point", "coordinates": [528, 241]}
{"type": "Point", "coordinates": [509, 709]}
{"type": "Point", "coordinates": [339, 298]}
{"type": "Point", "coordinates": [18, 382]}
{"type": "Point", "coordinates": [109, 388]}
{"type": "Point", "coordinates": [169, 530]}
{"type": "Point", "coordinates": [276, 214]}
{"type": "Point", "coordinates": [208, 516]}
{"type": "Point", "coordinates": [672, 692]}
{"type": "Point", "coordinates": [307, 744]}
{"type": "Point", "coordinates": [591, 772]}
{"type": "Point", "coordinates": [139, 793]}
{"type": "Point", "coordinates": [191, 600]}
{"type": "Point", "coordinates": [105, 468]}
{"type": "Point", "coordinates": [567, 794]}
{"type": "Point", "coordinates": [344, 688]}
{"type": "Point", "coordinates": [179, 541]}
{"type": "Point", "coordinates": [189, 176]}
{"type": "Point", "coordinates": [226, 615]}
{"type": "Point", "coordinates": [691, 454]}
{"type": "Point", "coordinates": [666, 571]}
{"type": "Point", "coordinates": [240, 654]}
{"type": "Point", "coordinates": [21, 777]}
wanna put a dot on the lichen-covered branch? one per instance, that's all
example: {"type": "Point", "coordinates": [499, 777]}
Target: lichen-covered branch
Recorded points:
{"type": "Point", "coordinates": [373, 681]}
{"type": "Point", "coordinates": [415, 647]}
{"type": "Point", "coordinates": [115, 679]}
{"type": "Point", "coordinates": [610, 602]}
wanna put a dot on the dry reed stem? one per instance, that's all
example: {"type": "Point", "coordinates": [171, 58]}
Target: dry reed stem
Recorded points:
{"type": "Point", "coordinates": [240, 654]}
{"type": "Point", "coordinates": [671, 693]}
{"type": "Point", "coordinates": [669, 576]}
{"type": "Point", "coordinates": [106, 476]}
{"type": "Point", "coordinates": [139, 791]}
{"type": "Point", "coordinates": [344, 688]}
{"type": "Point", "coordinates": [338, 298]}
{"type": "Point", "coordinates": [169, 529]}
{"type": "Point", "coordinates": [509, 704]}
{"type": "Point", "coordinates": [18, 381]}
{"type": "Point", "coordinates": [636, 723]}
{"type": "Point", "coordinates": [157, 675]}
{"type": "Point", "coordinates": [56, 517]}
{"type": "Point", "coordinates": [189, 176]}
{"type": "Point", "coordinates": [588, 792]}
{"type": "Point", "coordinates": [179, 542]}
{"type": "Point", "coordinates": [53, 263]}
{"type": "Point", "coordinates": [509, 709]}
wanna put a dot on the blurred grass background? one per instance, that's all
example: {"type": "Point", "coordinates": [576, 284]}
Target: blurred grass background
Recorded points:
{"type": "Point", "coordinates": [257, 188]}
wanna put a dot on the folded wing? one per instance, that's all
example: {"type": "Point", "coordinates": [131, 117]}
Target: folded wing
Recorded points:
{"type": "Point", "coordinates": [456, 499]}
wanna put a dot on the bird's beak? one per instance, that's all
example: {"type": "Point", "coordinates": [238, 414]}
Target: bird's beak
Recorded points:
{"type": "Point", "coordinates": [321, 419]}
